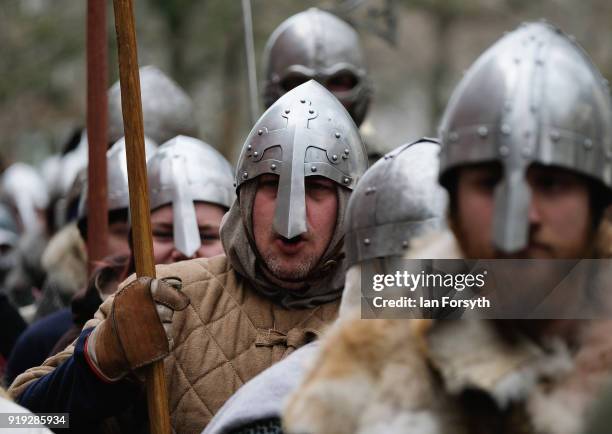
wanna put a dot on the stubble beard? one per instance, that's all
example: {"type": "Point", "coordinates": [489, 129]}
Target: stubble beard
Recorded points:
{"type": "Point", "coordinates": [293, 272]}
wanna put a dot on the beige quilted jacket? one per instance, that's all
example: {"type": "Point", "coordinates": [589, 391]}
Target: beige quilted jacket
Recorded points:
{"type": "Point", "coordinates": [225, 337]}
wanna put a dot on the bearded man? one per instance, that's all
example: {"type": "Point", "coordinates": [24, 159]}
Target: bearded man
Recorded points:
{"type": "Point", "coordinates": [527, 162]}
{"type": "Point", "coordinates": [233, 315]}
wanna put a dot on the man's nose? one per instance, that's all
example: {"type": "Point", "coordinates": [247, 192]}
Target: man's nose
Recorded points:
{"type": "Point", "coordinates": [177, 255]}
{"type": "Point", "coordinates": [534, 212]}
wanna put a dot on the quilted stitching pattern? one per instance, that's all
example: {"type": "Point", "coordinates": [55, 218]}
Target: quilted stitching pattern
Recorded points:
{"type": "Point", "coordinates": [214, 337]}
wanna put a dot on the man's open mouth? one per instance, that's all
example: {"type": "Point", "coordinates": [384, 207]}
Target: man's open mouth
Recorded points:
{"type": "Point", "coordinates": [293, 240]}
{"type": "Point", "coordinates": [290, 245]}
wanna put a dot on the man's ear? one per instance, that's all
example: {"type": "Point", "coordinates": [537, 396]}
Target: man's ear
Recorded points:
{"type": "Point", "coordinates": [603, 235]}
{"type": "Point", "coordinates": [452, 221]}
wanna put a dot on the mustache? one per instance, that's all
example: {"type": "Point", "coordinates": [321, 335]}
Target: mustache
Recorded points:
{"type": "Point", "coordinates": [531, 245]}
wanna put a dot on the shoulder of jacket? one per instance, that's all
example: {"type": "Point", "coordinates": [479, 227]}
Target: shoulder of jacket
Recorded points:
{"type": "Point", "coordinates": [191, 271]}
{"type": "Point", "coordinates": [196, 270]}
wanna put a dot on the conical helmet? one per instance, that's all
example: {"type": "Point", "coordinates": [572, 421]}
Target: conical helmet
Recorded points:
{"type": "Point", "coordinates": [533, 97]}
{"type": "Point", "coordinates": [318, 45]}
{"type": "Point", "coordinates": [397, 199]}
{"type": "Point", "coordinates": [167, 110]}
{"type": "Point", "coordinates": [307, 132]}
{"type": "Point", "coordinates": [23, 187]}
{"type": "Point", "coordinates": [185, 170]}
{"type": "Point", "coordinates": [116, 178]}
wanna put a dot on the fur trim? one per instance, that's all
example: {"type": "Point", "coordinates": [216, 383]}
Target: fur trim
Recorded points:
{"type": "Point", "coordinates": [65, 260]}
{"type": "Point", "coordinates": [354, 385]}
{"type": "Point", "coordinates": [435, 245]}
{"type": "Point", "coordinates": [562, 407]}
{"type": "Point", "coordinates": [350, 303]}
{"type": "Point", "coordinates": [471, 354]}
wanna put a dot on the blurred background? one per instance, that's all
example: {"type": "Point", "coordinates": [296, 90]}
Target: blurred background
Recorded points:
{"type": "Point", "coordinates": [416, 51]}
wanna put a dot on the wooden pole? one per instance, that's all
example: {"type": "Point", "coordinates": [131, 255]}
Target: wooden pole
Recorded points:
{"type": "Point", "coordinates": [249, 49]}
{"type": "Point", "coordinates": [131, 104]}
{"type": "Point", "coordinates": [97, 132]}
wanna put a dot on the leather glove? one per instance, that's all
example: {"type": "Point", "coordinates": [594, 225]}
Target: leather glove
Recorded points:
{"type": "Point", "coordinates": [137, 331]}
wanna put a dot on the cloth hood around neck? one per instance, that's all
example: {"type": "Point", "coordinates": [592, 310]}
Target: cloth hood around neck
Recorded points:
{"type": "Point", "coordinates": [325, 282]}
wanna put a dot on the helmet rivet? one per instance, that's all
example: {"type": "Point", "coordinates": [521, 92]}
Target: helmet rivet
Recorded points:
{"type": "Point", "coordinates": [588, 143]}
{"type": "Point", "coordinates": [453, 136]}
{"type": "Point", "coordinates": [404, 244]}
{"type": "Point", "coordinates": [504, 151]}
{"type": "Point", "coordinates": [505, 129]}
{"type": "Point", "coordinates": [313, 168]}
{"type": "Point", "coordinates": [311, 111]}
{"type": "Point", "coordinates": [334, 157]}
{"type": "Point", "coordinates": [366, 241]}
{"type": "Point", "coordinates": [249, 147]}
{"type": "Point", "coordinates": [346, 180]}
{"type": "Point", "coordinates": [273, 166]}
{"type": "Point", "coordinates": [555, 136]}
{"type": "Point", "coordinates": [483, 131]}
{"type": "Point", "coordinates": [344, 157]}
{"type": "Point", "coordinates": [259, 132]}
{"type": "Point", "coordinates": [302, 101]}
{"type": "Point", "coordinates": [337, 135]}
{"type": "Point", "coordinates": [287, 111]}
{"type": "Point", "coordinates": [255, 154]}
{"type": "Point", "coordinates": [245, 175]}
{"type": "Point", "coordinates": [526, 151]}
{"type": "Point", "coordinates": [346, 151]}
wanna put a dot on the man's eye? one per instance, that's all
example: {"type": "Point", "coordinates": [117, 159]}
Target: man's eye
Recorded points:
{"type": "Point", "coordinates": [551, 184]}
{"type": "Point", "coordinates": [162, 235]}
{"type": "Point", "coordinates": [208, 237]}
{"type": "Point", "coordinates": [293, 81]}
{"type": "Point", "coordinates": [342, 82]}
{"type": "Point", "coordinates": [488, 180]}
{"type": "Point", "coordinates": [119, 231]}
{"type": "Point", "coordinates": [319, 187]}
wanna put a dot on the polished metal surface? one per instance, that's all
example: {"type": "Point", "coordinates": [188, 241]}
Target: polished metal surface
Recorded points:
{"type": "Point", "coordinates": [397, 199]}
{"type": "Point", "coordinates": [317, 45]}
{"type": "Point", "coordinates": [166, 109]}
{"type": "Point", "coordinates": [307, 132]}
{"type": "Point", "coordinates": [117, 177]}
{"type": "Point", "coordinates": [185, 170]}
{"type": "Point", "coordinates": [533, 97]}
{"type": "Point", "coordinates": [23, 188]}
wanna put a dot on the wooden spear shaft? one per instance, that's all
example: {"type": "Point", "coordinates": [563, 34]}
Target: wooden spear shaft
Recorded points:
{"type": "Point", "coordinates": [97, 132]}
{"type": "Point", "coordinates": [131, 105]}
